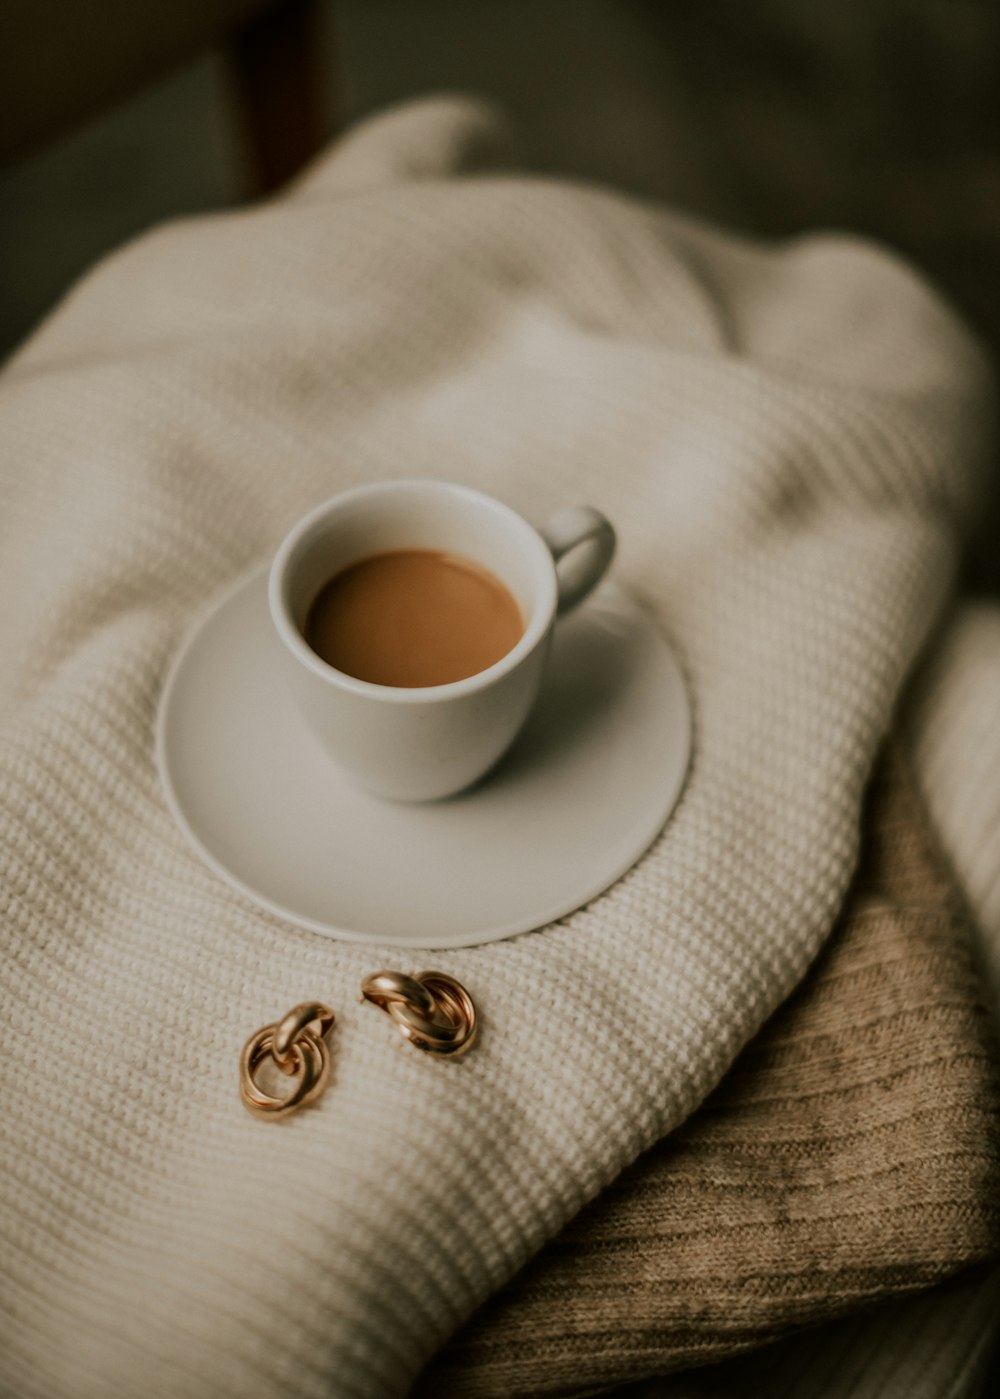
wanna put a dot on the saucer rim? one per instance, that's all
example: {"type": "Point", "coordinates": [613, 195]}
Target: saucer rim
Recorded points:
{"type": "Point", "coordinates": [561, 909]}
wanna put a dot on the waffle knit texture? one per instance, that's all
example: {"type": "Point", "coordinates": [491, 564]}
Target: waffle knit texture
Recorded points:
{"type": "Point", "coordinates": [851, 1154]}
{"type": "Point", "coordinates": [788, 440]}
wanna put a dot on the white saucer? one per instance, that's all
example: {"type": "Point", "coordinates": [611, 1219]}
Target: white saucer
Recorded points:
{"type": "Point", "coordinates": [585, 790]}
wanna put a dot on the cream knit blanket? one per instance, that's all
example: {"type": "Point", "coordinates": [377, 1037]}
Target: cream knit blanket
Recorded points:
{"type": "Point", "coordinates": [787, 439]}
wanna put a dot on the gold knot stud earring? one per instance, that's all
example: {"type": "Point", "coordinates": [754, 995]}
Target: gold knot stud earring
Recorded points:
{"type": "Point", "coordinates": [297, 1045]}
{"type": "Point", "coordinates": [432, 1010]}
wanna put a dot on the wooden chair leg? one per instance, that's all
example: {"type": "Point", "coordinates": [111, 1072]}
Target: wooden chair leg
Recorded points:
{"type": "Point", "coordinates": [275, 61]}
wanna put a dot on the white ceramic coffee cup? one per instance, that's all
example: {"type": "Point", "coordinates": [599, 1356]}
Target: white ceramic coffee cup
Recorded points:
{"type": "Point", "coordinates": [418, 744]}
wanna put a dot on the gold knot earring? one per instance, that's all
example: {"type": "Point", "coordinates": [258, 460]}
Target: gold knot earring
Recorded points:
{"type": "Point", "coordinates": [432, 1010]}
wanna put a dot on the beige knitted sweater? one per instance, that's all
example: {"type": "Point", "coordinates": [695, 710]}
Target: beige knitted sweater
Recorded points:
{"type": "Point", "coordinates": [787, 439]}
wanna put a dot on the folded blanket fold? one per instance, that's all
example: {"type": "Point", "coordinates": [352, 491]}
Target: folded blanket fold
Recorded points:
{"type": "Point", "coordinates": [788, 439]}
{"type": "Point", "coordinates": [935, 1343]}
{"type": "Point", "coordinates": [942, 1341]}
{"type": "Point", "coordinates": [851, 1155]}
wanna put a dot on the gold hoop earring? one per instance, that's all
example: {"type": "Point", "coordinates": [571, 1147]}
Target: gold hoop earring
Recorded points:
{"type": "Point", "coordinates": [297, 1044]}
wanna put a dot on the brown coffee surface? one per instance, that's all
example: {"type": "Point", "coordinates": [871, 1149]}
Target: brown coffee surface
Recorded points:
{"type": "Point", "coordinates": [413, 617]}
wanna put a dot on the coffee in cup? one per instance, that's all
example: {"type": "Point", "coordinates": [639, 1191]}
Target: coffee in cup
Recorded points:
{"type": "Point", "coordinates": [406, 726]}
{"type": "Point", "coordinates": [413, 618]}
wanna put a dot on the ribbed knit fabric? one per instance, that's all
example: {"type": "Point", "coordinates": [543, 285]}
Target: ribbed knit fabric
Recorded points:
{"type": "Point", "coordinates": [787, 439]}
{"type": "Point", "coordinates": [851, 1154]}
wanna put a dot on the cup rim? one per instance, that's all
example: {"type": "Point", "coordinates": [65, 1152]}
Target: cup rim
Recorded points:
{"type": "Point", "coordinates": [293, 640]}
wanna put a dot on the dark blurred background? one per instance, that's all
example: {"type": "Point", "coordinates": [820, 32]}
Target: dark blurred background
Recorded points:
{"type": "Point", "coordinates": [771, 115]}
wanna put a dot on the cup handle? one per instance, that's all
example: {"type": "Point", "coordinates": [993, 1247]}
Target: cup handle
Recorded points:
{"type": "Point", "coordinates": [582, 544]}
